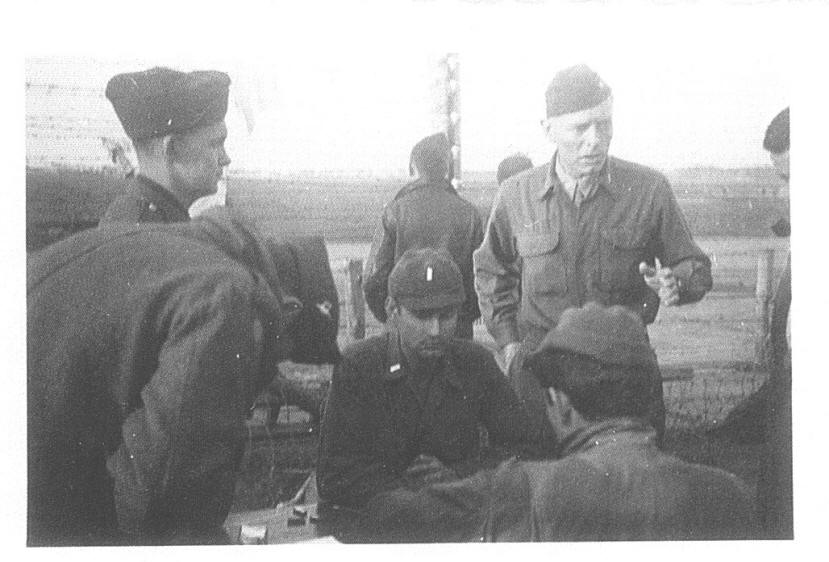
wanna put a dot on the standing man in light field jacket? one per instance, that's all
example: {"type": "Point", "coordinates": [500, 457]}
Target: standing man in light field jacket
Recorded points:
{"type": "Point", "coordinates": [583, 227]}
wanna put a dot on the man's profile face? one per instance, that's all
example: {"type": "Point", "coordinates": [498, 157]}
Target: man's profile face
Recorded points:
{"type": "Point", "coordinates": [583, 139]}
{"type": "Point", "coordinates": [424, 333]}
{"type": "Point", "coordinates": [197, 159]}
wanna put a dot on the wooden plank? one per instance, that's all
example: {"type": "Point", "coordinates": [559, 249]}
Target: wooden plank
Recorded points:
{"type": "Point", "coordinates": [357, 310]}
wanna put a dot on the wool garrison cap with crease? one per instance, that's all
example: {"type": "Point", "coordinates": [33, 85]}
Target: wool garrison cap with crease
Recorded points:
{"type": "Point", "coordinates": [426, 278]}
{"type": "Point", "coordinates": [575, 89]}
{"type": "Point", "coordinates": [612, 336]}
{"type": "Point", "coordinates": [161, 101]}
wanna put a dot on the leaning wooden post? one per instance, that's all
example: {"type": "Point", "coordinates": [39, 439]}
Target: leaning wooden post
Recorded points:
{"type": "Point", "coordinates": [357, 310]}
{"type": "Point", "coordinates": [763, 296]}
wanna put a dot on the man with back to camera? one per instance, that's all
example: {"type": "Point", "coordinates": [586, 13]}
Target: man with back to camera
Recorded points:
{"type": "Point", "coordinates": [584, 227]}
{"type": "Point", "coordinates": [406, 406]}
{"type": "Point", "coordinates": [426, 213]}
{"type": "Point", "coordinates": [147, 345]}
{"type": "Point", "coordinates": [175, 121]}
{"type": "Point", "coordinates": [611, 483]}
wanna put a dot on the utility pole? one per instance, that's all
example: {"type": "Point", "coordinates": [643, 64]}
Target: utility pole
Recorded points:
{"type": "Point", "coordinates": [453, 115]}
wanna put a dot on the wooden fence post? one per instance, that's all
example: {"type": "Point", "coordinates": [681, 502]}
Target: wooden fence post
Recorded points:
{"type": "Point", "coordinates": [357, 310]}
{"type": "Point", "coordinates": [763, 297]}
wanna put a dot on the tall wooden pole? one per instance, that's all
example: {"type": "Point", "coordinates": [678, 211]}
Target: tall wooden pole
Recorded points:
{"type": "Point", "coordinates": [453, 114]}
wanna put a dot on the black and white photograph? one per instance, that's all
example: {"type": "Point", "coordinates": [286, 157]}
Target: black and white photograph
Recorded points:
{"type": "Point", "coordinates": [418, 272]}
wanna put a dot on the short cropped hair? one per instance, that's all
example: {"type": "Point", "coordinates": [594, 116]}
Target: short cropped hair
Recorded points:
{"type": "Point", "coordinates": [776, 140]}
{"type": "Point", "coordinates": [597, 390]}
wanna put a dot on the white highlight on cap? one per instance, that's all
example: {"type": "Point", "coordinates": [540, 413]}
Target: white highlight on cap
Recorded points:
{"type": "Point", "coordinates": [429, 273]}
{"type": "Point", "coordinates": [394, 368]}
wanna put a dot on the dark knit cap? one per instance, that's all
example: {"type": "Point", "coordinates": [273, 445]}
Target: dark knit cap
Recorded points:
{"type": "Point", "coordinates": [161, 101]}
{"type": "Point", "coordinates": [512, 165]}
{"type": "Point", "coordinates": [575, 89]}
{"type": "Point", "coordinates": [611, 336]}
{"type": "Point", "coordinates": [426, 278]}
{"type": "Point", "coordinates": [776, 140]}
{"type": "Point", "coordinates": [431, 153]}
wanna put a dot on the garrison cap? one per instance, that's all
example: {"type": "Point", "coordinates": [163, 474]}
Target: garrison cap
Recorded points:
{"type": "Point", "coordinates": [161, 101]}
{"type": "Point", "coordinates": [612, 336]}
{"type": "Point", "coordinates": [575, 89]}
{"type": "Point", "coordinates": [430, 152]}
{"type": "Point", "coordinates": [426, 278]}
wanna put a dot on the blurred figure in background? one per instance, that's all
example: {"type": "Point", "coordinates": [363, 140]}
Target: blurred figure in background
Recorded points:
{"type": "Point", "coordinates": [612, 482]}
{"type": "Point", "coordinates": [766, 416]}
{"type": "Point", "coordinates": [147, 345]}
{"type": "Point", "coordinates": [512, 165]}
{"type": "Point", "coordinates": [406, 406]}
{"type": "Point", "coordinates": [426, 213]}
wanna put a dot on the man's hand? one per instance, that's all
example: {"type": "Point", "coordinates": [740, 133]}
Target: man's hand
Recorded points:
{"type": "Point", "coordinates": [426, 469]}
{"type": "Point", "coordinates": [662, 280]}
{"type": "Point", "coordinates": [508, 354]}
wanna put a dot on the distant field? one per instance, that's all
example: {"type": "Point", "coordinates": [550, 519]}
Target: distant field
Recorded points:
{"type": "Point", "coordinates": [716, 202]}
{"type": "Point", "coordinates": [349, 210]}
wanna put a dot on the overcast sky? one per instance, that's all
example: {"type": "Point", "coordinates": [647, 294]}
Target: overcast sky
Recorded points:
{"type": "Point", "coordinates": [693, 84]}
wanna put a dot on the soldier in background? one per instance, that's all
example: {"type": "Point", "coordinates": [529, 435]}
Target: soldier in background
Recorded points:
{"type": "Point", "coordinates": [426, 213]}
{"type": "Point", "coordinates": [512, 165]}
{"type": "Point", "coordinates": [147, 345]}
{"type": "Point", "coordinates": [175, 121]}
{"type": "Point", "coordinates": [579, 229]}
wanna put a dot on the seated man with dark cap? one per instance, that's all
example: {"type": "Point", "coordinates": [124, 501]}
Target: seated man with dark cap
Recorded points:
{"type": "Point", "coordinates": [611, 483]}
{"type": "Point", "coordinates": [175, 121]}
{"type": "Point", "coordinates": [147, 345]}
{"type": "Point", "coordinates": [426, 213]}
{"type": "Point", "coordinates": [406, 407]}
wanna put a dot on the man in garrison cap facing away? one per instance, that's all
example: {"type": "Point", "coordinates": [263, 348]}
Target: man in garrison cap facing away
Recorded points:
{"type": "Point", "coordinates": [611, 483]}
{"type": "Point", "coordinates": [405, 407]}
{"type": "Point", "coordinates": [426, 213]}
{"type": "Point", "coordinates": [147, 345]}
{"type": "Point", "coordinates": [583, 227]}
{"type": "Point", "coordinates": [176, 123]}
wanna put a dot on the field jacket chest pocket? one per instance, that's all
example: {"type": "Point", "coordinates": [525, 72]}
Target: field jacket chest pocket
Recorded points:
{"type": "Point", "coordinates": [544, 267]}
{"type": "Point", "coordinates": [622, 250]}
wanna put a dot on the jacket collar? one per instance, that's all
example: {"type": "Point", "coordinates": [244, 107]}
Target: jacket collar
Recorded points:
{"type": "Point", "coordinates": [397, 368]}
{"type": "Point", "coordinates": [552, 182]}
{"type": "Point", "coordinates": [162, 197]}
{"type": "Point", "coordinates": [615, 430]}
{"type": "Point", "coordinates": [423, 183]}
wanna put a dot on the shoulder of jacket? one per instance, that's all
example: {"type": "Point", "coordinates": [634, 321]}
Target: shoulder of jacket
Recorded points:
{"type": "Point", "coordinates": [365, 352]}
{"type": "Point", "coordinates": [643, 175]}
{"type": "Point", "coordinates": [515, 186]}
{"type": "Point", "coordinates": [469, 351]}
